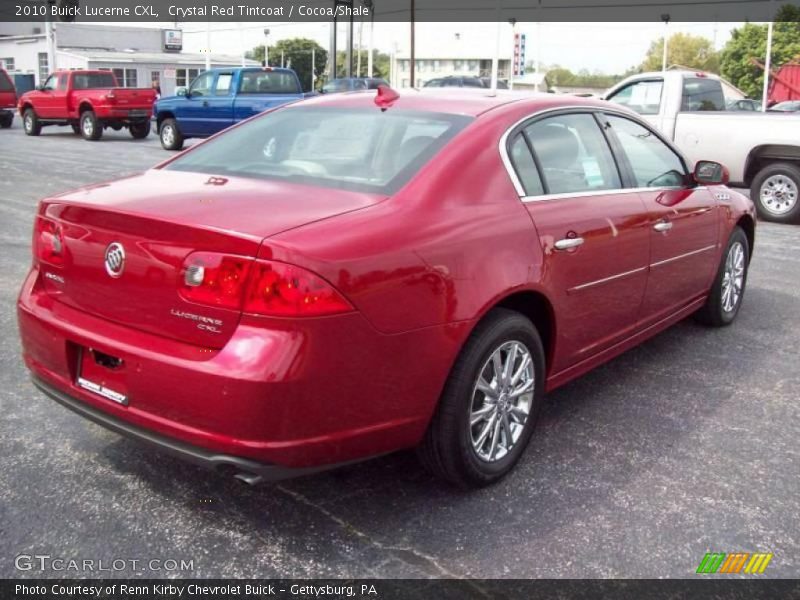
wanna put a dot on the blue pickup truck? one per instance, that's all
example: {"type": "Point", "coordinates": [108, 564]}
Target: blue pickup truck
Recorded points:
{"type": "Point", "coordinates": [218, 98]}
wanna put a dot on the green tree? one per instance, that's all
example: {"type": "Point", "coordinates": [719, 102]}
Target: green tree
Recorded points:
{"type": "Point", "coordinates": [749, 44]}
{"type": "Point", "coordinates": [297, 55]}
{"type": "Point", "coordinates": [693, 51]}
{"type": "Point", "coordinates": [380, 64]}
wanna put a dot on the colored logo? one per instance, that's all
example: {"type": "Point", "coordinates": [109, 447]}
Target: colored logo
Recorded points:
{"type": "Point", "coordinates": [736, 562]}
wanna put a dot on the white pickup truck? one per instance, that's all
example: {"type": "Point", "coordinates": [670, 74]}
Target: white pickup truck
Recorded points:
{"type": "Point", "coordinates": [761, 150]}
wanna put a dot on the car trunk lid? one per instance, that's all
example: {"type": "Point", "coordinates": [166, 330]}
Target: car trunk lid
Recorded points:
{"type": "Point", "coordinates": [159, 219]}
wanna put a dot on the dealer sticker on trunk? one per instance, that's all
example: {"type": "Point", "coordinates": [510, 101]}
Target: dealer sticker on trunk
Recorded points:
{"type": "Point", "coordinates": [102, 391]}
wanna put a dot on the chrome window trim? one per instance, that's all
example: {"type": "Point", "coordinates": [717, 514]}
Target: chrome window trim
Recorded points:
{"type": "Point", "coordinates": [615, 191]}
{"type": "Point", "coordinates": [627, 114]}
{"type": "Point", "coordinates": [685, 255]}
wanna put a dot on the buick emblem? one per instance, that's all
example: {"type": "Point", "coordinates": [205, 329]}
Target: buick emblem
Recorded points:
{"type": "Point", "coordinates": [115, 259]}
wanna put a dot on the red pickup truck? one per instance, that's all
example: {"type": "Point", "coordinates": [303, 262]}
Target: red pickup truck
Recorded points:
{"type": "Point", "coordinates": [88, 101]}
{"type": "Point", "coordinates": [8, 100]}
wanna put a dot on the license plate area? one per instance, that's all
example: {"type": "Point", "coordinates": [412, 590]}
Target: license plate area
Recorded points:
{"type": "Point", "coordinates": [137, 113]}
{"type": "Point", "coordinates": [103, 375]}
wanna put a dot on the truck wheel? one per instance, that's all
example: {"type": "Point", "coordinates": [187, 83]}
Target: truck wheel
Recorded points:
{"type": "Point", "coordinates": [775, 192]}
{"type": "Point", "coordinates": [6, 121]}
{"type": "Point", "coordinates": [76, 127]}
{"type": "Point", "coordinates": [30, 122]}
{"type": "Point", "coordinates": [490, 403]}
{"type": "Point", "coordinates": [139, 131]}
{"type": "Point", "coordinates": [90, 127]}
{"type": "Point", "coordinates": [171, 136]}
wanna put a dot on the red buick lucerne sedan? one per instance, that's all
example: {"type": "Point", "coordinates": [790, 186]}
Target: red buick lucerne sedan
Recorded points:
{"type": "Point", "coordinates": [361, 273]}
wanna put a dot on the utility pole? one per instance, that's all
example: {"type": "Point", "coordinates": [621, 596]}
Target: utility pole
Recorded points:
{"type": "Point", "coordinates": [371, 7]}
{"type": "Point", "coordinates": [313, 67]}
{"type": "Point", "coordinates": [665, 18]}
{"type": "Point", "coordinates": [413, 50]}
{"type": "Point", "coordinates": [767, 67]}
{"type": "Point", "coordinates": [266, 47]}
{"type": "Point", "coordinates": [208, 46]}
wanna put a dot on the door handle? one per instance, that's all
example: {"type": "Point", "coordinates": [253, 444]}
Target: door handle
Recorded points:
{"type": "Point", "coordinates": [663, 226]}
{"type": "Point", "coordinates": [568, 243]}
{"type": "Point", "coordinates": [205, 103]}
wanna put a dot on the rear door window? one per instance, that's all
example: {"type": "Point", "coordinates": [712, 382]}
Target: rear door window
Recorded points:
{"type": "Point", "coordinates": [525, 167]}
{"type": "Point", "coordinates": [573, 154]}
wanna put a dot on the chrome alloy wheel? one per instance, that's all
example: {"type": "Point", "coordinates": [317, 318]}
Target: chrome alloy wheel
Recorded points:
{"type": "Point", "coordinates": [733, 278]}
{"type": "Point", "coordinates": [501, 401]}
{"type": "Point", "coordinates": [778, 194]}
{"type": "Point", "coordinates": [167, 135]}
{"type": "Point", "coordinates": [88, 127]}
{"type": "Point", "coordinates": [28, 123]}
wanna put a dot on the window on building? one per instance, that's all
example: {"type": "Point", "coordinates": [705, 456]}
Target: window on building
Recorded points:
{"type": "Point", "coordinates": [183, 77]}
{"type": "Point", "coordinates": [7, 64]}
{"type": "Point", "coordinates": [458, 65]}
{"type": "Point", "coordinates": [126, 78]}
{"type": "Point", "coordinates": [44, 68]}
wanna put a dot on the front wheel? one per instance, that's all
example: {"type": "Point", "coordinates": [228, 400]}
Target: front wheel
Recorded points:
{"type": "Point", "coordinates": [139, 131]}
{"type": "Point", "coordinates": [727, 292]}
{"type": "Point", "coordinates": [91, 129]}
{"type": "Point", "coordinates": [171, 136]}
{"type": "Point", "coordinates": [30, 122]}
{"type": "Point", "coordinates": [775, 193]}
{"type": "Point", "coordinates": [490, 404]}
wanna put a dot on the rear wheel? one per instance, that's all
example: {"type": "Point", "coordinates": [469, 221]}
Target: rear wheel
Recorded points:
{"type": "Point", "coordinates": [776, 192]}
{"type": "Point", "coordinates": [90, 127]}
{"type": "Point", "coordinates": [30, 122]}
{"type": "Point", "coordinates": [727, 292]}
{"type": "Point", "coordinates": [140, 130]}
{"type": "Point", "coordinates": [6, 120]}
{"type": "Point", "coordinates": [490, 404]}
{"type": "Point", "coordinates": [171, 136]}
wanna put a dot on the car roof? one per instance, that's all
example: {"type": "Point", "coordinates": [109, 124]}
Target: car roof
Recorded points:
{"type": "Point", "coordinates": [457, 101]}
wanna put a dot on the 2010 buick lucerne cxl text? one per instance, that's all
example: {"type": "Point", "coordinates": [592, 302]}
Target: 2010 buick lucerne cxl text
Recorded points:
{"type": "Point", "coordinates": [356, 274]}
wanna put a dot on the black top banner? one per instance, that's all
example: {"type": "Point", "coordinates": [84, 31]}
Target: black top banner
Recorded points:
{"type": "Point", "coordinates": [99, 11]}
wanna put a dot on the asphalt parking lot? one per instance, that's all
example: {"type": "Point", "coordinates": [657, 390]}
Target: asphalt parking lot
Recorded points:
{"type": "Point", "coordinates": [685, 445]}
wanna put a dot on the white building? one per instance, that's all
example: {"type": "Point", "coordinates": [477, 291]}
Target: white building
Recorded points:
{"type": "Point", "coordinates": [465, 53]}
{"type": "Point", "coordinates": [138, 56]}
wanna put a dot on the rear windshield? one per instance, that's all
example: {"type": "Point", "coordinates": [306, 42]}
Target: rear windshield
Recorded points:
{"type": "Point", "coordinates": [268, 82]}
{"type": "Point", "coordinates": [5, 83]}
{"type": "Point", "coordinates": [90, 81]}
{"type": "Point", "coordinates": [359, 150]}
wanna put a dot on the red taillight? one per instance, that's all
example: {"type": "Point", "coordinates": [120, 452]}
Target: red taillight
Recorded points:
{"type": "Point", "coordinates": [215, 279]}
{"type": "Point", "coordinates": [48, 241]}
{"type": "Point", "coordinates": [258, 287]}
{"type": "Point", "coordinates": [282, 290]}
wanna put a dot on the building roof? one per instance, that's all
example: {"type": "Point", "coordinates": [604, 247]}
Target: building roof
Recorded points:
{"type": "Point", "coordinates": [171, 58]}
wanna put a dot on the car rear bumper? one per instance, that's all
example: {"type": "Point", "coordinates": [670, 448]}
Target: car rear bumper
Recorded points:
{"type": "Point", "coordinates": [285, 394]}
{"type": "Point", "coordinates": [243, 469]}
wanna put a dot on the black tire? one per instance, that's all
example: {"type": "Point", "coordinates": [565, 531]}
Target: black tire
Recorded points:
{"type": "Point", "coordinates": [76, 127]}
{"type": "Point", "coordinates": [91, 129]}
{"type": "Point", "coordinates": [447, 449]}
{"type": "Point", "coordinates": [140, 130]}
{"type": "Point", "coordinates": [31, 123]}
{"type": "Point", "coordinates": [714, 313]}
{"type": "Point", "coordinates": [769, 208]}
{"type": "Point", "coordinates": [6, 121]}
{"type": "Point", "coordinates": [170, 135]}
